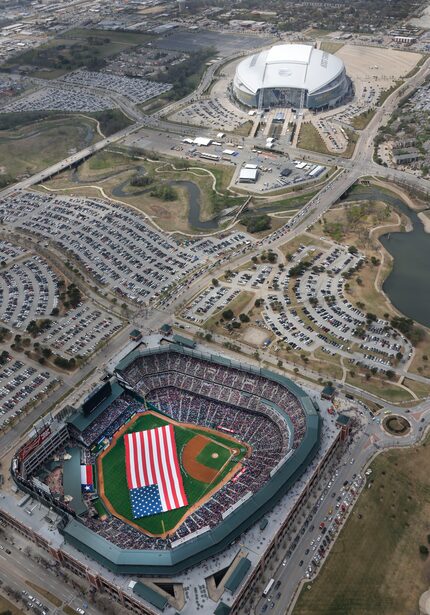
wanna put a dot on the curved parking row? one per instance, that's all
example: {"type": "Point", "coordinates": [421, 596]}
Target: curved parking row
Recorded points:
{"type": "Point", "coordinates": [9, 252]}
{"type": "Point", "coordinates": [28, 290]}
{"type": "Point", "coordinates": [20, 384]}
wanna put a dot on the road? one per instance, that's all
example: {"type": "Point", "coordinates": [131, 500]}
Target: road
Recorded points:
{"type": "Point", "coordinates": [21, 566]}
{"type": "Point", "coordinates": [370, 439]}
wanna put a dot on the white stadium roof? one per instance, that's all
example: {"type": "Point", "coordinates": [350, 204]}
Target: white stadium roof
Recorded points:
{"type": "Point", "coordinates": [289, 66]}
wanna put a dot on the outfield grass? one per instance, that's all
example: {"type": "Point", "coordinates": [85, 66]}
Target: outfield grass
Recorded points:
{"type": "Point", "coordinates": [115, 483]}
{"type": "Point", "coordinates": [375, 567]}
{"type": "Point", "coordinates": [100, 508]}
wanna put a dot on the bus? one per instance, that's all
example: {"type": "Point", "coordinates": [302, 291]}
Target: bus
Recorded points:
{"type": "Point", "coordinates": [268, 587]}
{"type": "Point", "coordinates": [209, 156]}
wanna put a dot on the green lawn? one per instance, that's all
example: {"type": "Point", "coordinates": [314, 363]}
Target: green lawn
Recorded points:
{"type": "Point", "coordinates": [375, 567]}
{"type": "Point", "coordinates": [115, 483]}
{"type": "Point", "coordinates": [310, 139]}
{"type": "Point", "coordinates": [205, 456]}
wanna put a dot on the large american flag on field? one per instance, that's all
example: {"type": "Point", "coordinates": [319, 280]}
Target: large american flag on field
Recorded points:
{"type": "Point", "coordinates": [153, 474]}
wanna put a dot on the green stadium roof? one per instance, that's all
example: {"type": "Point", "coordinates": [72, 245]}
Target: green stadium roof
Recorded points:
{"type": "Point", "coordinates": [184, 341]}
{"type": "Point", "coordinates": [175, 560]}
{"type": "Point", "coordinates": [81, 422]}
{"type": "Point", "coordinates": [150, 595]}
{"type": "Point", "coordinates": [72, 481]}
{"type": "Point", "coordinates": [238, 574]}
{"type": "Point", "coordinates": [343, 419]}
{"type": "Point", "coordinates": [222, 609]}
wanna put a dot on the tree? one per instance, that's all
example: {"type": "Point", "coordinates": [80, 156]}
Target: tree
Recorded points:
{"type": "Point", "coordinates": [244, 317]}
{"type": "Point", "coordinates": [424, 550]}
{"type": "Point", "coordinates": [228, 314]}
{"type": "Point", "coordinates": [390, 374]}
{"type": "Point", "coordinates": [353, 250]}
{"type": "Point", "coordinates": [360, 332]}
{"type": "Point", "coordinates": [215, 282]}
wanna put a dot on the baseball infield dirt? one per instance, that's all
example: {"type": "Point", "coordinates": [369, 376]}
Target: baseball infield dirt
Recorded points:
{"type": "Point", "coordinates": [189, 460]}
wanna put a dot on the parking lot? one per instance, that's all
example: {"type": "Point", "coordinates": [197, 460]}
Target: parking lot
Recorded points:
{"type": "Point", "coordinates": [333, 135]}
{"type": "Point", "coordinates": [137, 90]}
{"type": "Point", "coordinates": [212, 113]}
{"type": "Point", "coordinates": [28, 289]}
{"type": "Point", "coordinates": [60, 99]}
{"type": "Point", "coordinates": [209, 302]}
{"type": "Point", "coordinates": [308, 310]}
{"type": "Point", "coordinates": [80, 331]}
{"type": "Point", "coordinates": [8, 252]}
{"type": "Point", "coordinates": [113, 243]}
{"type": "Point", "coordinates": [20, 385]}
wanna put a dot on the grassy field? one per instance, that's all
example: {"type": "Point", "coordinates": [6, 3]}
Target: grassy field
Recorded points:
{"type": "Point", "coordinates": [213, 456]}
{"type": "Point", "coordinates": [310, 139]}
{"type": "Point", "coordinates": [8, 607]}
{"type": "Point", "coordinates": [375, 567]}
{"type": "Point", "coordinates": [330, 46]}
{"type": "Point", "coordinates": [237, 306]}
{"type": "Point", "coordinates": [360, 121]}
{"type": "Point", "coordinates": [116, 489]}
{"type": "Point", "coordinates": [29, 148]}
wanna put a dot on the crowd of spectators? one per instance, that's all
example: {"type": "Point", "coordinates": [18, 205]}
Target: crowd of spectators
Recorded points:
{"type": "Point", "coordinates": [109, 421]}
{"type": "Point", "coordinates": [230, 385]}
{"type": "Point", "coordinates": [254, 409]}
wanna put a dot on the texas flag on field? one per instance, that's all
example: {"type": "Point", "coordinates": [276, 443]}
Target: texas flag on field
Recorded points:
{"type": "Point", "coordinates": [153, 475]}
{"type": "Point", "coordinates": [87, 481]}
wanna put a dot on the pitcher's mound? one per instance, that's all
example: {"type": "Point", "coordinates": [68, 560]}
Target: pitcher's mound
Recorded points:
{"type": "Point", "coordinates": [214, 455]}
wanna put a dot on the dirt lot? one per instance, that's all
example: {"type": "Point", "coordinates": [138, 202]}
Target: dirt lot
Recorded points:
{"type": "Point", "coordinates": [255, 336]}
{"type": "Point", "coordinates": [383, 66]}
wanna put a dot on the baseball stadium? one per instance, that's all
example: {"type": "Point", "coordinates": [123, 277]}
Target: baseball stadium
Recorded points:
{"type": "Point", "coordinates": [171, 460]}
{"type": "Point", "coordinates": [291, 76]}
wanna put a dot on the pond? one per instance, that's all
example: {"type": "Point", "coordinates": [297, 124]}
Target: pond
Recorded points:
{"type": "Point", "coordinates": [408, 284]}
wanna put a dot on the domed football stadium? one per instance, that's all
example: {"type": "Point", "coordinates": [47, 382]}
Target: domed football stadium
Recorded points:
{"type": "Point", "coordinates": [291, 76]}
